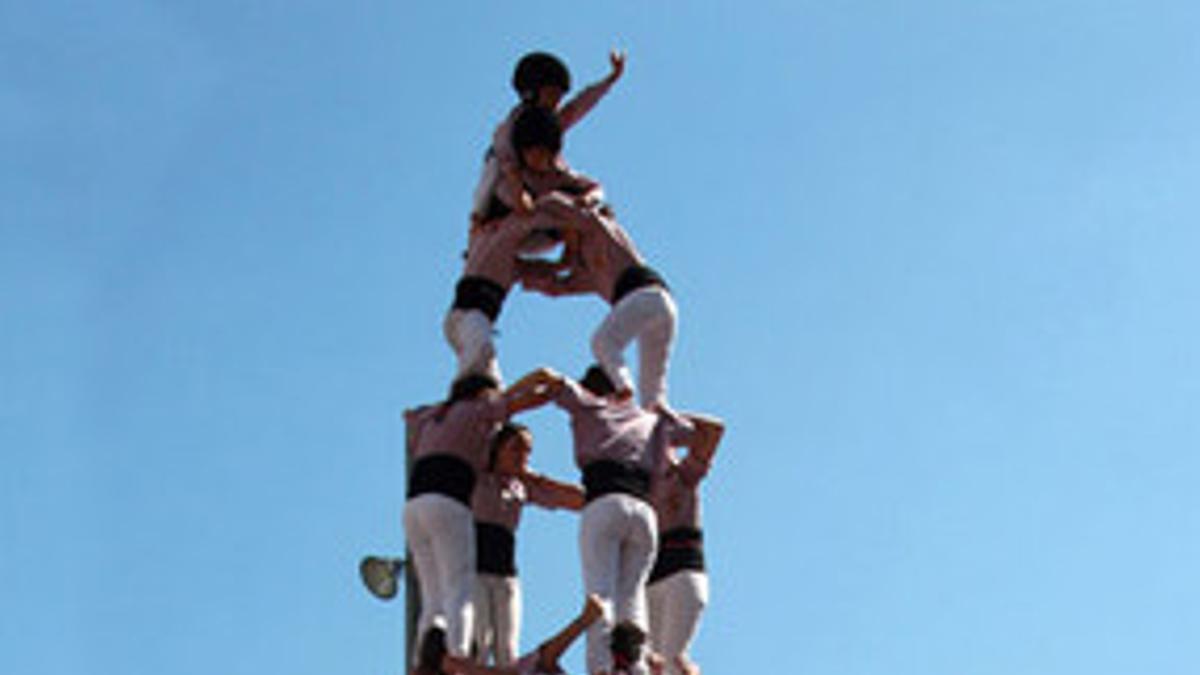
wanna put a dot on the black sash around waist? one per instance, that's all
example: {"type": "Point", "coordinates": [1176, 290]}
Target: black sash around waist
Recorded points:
{"type": "Point", "coordinates": [606, 476]}
{"type": "Point", "coordinates": [495, 550]}
{"type": "Point", "coordinates": [479, 293]}
{"type": "Point", "coordinates": [680, 548]}
{"type": "Point", "coordinates": [633, 278]}
{"type": "Point", "coordinates": [442, 474]}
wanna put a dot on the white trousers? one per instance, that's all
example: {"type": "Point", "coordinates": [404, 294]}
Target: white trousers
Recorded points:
{"type": "Point", "coordinates": [469, 332]}
{"type": "Point", "coordinates": [441, 536]}
{"type": "Point", "coordinates": [648, 315]}
{"type": "Point", "coordinates": [617, 540]}
{"type": "Point", "coordinates": [497, 618]}
{"type": "Point", "coordinates": [676, 602]}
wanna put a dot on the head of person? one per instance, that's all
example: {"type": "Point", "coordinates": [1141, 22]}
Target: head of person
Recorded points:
{"type": "Point", "coordinates": [472, 386]}
{"type": "Point", "coordinates": [537, 138]}
{"type": "Point", "coordinates": [597, 382]}
{"type": "Point", "coordinates": [625, 642]}
{"type": "Point", "coordinates": [509, 451]}
{"type": "Point", "coordinates": [430, 651]}
{"type": "Point", "coordinates": [541, 79]}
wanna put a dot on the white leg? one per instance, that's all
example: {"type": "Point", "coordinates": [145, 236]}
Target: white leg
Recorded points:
{"type": "Point", "coordinates": [684, 595]}
{"type": "Point", "coordinates": [484, 613]}
{"type": "Point", "coordinates": [469, 333]}
{"type": "Point", "coordinates": [420, 533]}
{"type": "Point", "coordinates": [454, 547]}
{"type": "Point", "coordinates": [637, 557]}
{"type": "Point", "coordinates": [508, 620]}
{"type": "Point", "coordinates": [654, 351]}
{"type": "Point", "coordinates": [599, 551]}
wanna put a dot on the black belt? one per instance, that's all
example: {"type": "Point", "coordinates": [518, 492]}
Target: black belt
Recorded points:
{"type": "Point", "coordinates": [479, 293]}
{"type": "Point", "coordinates": [679, 549]}
{"type": "Point", "coordinates": [495, 550]}
{"type": "Point", "coordinates": [607, 476]}
{"type": "Point", "coordinates": [444, 475]}
{"type": "Point", "coordinates": [633, 278]}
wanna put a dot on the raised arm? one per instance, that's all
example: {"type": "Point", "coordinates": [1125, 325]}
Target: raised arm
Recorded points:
{"type": "Point", "coordinates": [533, 390]}
{"type": "Point", "coordinates": [702, 446]}
{"type": "Point", "coordinates": [580, 105]}
{"type": "Point", "coordinates": [551, 650]}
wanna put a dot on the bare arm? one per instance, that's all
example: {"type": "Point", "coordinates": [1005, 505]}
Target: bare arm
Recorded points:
{"type": "Point", "coordinates": [461, 666]}
{"type": "Point", "coordinates": [533, 390]}
{"type": "Point", "coordinates": [575, 109]}
{"type": "Point", "coordinates": [551, 650]}
{"type": "Point", "coordinates": [553, 493]}
{"type": "Point", "coordinates": [702, 446]}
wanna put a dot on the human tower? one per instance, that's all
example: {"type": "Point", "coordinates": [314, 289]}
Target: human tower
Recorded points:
{"type": "Point", "coordinates": [640, 541]}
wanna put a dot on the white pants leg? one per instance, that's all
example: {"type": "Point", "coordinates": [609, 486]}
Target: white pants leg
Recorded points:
{"type": "Point", "coordinates": [617, 541]}
{"type": "Point", "coordinates": [441, 536]}
{"type": "Point", "coordinates": [648, 315]}
{"type": "Point", "coordinates": [497, 618]}
{"type": "Point", "coordinates": [484, 636]}
{"type": "Point", "coordinates": [676, 603]}
{"type": "Point", "coordinates": [469, 332]}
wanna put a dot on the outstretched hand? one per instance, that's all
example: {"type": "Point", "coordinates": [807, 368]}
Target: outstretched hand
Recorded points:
{"type": "Point", "coordinates": [593, 609]}
{"type": "Point", "coordinates": [617, 60]}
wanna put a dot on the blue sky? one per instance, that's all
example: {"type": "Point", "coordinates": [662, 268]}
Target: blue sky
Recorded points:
{"type": "Point", "coordinates": [935, 265]}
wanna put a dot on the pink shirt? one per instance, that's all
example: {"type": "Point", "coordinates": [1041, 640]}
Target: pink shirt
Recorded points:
{"type": "Point", "coordinates": [499, 499]}
{"type": "Point", "coordinates": [464, 431]}
{"type": "Point", "coordinates": [619, 431]}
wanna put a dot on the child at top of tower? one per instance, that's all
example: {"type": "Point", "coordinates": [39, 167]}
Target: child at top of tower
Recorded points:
{"type": "Point", "coordinates": [541, 80]}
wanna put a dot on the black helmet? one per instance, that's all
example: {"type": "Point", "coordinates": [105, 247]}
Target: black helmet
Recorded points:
{"type": "Point", "coordinates": [539, 69]}
{"type": "Point", "coordinates": [537, 128]}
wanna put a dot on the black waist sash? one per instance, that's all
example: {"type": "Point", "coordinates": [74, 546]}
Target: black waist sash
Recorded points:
{"type": "Point", "coordinates": [444, 475]}
{"type": "Point", "coordinates": [495, 550]}
{"type": "Point", "coordinates": [633, 278]}
{"type": "Point", "coordinates": [606, 476]}
{"type": "Point", "coordinates": [479, 293]}
{"type": "Point", "coordinates": [680, 548]}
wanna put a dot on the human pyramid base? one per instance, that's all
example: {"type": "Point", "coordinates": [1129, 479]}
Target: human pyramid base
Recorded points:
{"type": "Point", "coordinates": [640, 540]}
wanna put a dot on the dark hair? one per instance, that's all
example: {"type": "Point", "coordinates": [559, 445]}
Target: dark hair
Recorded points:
{"type": "Point", "coordinates": [430, 651]}
{"type": "Point", "coordinates": [625, 642]}
{"type": "Point", "coordinates": [537, 128]}
{"type": "Point", "coordinates": [539, 69]}
{"type": "Point", "coordinates": [464, 388]}
{"type": "Point", "coordinates": [468, 386]}
{"type": "Point", "coordinates": [506, 431]}
{"type": "Point", "coordinates": [597, 381]}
